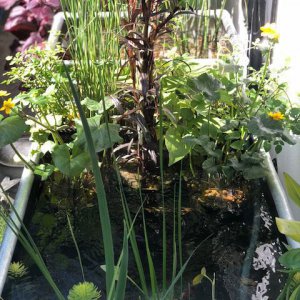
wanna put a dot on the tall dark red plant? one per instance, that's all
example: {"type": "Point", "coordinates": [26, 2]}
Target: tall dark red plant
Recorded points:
{"type": "Point", "coordinates": [147, 21]}
{"type": "Point", "coordinates": [30, 20]}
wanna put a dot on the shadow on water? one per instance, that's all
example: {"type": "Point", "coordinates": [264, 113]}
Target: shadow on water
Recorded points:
{"type": "Point", "coordinates": [242, 251]}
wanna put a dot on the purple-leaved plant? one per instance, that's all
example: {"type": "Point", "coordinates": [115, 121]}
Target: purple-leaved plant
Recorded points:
{"type": "Point", "coordinates": [30, 20]}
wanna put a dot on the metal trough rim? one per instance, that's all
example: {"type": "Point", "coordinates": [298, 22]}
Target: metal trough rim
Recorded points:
{"type": "Point", "coordinates": [10, 239]}
{"type": "Point", "coordinates": [279, 197]}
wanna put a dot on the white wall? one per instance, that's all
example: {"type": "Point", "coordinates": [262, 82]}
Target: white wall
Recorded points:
{"type": "Point", "coordinates": [288, 23]}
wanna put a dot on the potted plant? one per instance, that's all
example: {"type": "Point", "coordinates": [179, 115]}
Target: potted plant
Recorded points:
{"type": "Point", "coordinates": [215, 119]}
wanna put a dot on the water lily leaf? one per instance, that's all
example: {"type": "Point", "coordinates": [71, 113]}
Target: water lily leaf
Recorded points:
{"type": "Point", "coordinates": [11, 129]}
{"type": "Point", "coordinates": [70, 166]}
{"type": "Point", "coordinates": [293, 188]}
{"type": "Point", "coordinates": [291, 259]}
{"type": "Point", "coordinates": [177, 148]}
{"type": "Point", "coordinates": [289, 227]}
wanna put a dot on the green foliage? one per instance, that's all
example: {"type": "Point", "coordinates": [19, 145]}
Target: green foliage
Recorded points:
{"type": "Point", "coordinates": [17, 270]}
{"type": "Point", "coordinates": [226, 118]}
{"type": "Point", "coordinates": [84, 291]}
{"type": "Point", "coordinates": [69, 165]}
{"type": "Point", "coordinates": [11, 129]}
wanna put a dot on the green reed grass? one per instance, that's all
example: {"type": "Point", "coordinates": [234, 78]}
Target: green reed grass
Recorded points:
{"type": "Point", "coordinates": [101, 195]}
{"type": "Point", "coordinates": [93, 28]}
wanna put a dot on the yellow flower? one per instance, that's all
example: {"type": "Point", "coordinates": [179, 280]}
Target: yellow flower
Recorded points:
{"type": "Point", "coordinates": [269, 31]}
{"type": "Point", "coordinates": [7, 106]}
{"type": "Point", "coordinates": [4, 93]}
{"type": "Point", "coordinates": [276, 115]}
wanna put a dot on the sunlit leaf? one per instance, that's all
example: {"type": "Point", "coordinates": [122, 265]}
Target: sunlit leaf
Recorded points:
{"type": "Point", "coordinates": [289, 227]}
{"type": "Point", "coordinates": [176, 147]}
{"type": "Point", "coordinates": [293, 188]}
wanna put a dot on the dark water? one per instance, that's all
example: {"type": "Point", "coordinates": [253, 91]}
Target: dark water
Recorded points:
{"type": "Point", "coordinates": [241, 252]}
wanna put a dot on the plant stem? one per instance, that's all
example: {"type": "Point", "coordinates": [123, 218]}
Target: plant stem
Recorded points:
{"type": "Point", "coordinates": [21, 157]}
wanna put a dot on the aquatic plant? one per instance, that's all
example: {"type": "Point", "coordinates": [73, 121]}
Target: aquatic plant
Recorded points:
{"type": "Point", "coordinates": [17, 270]}
{"type": "Point", "coordinates": [84, 291]}
{"type": "Point", "coordinates": [224, 118]}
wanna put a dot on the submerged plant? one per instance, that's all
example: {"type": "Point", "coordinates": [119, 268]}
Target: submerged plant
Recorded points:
{"type": "Point", "coordinates": [84, 291]}
{"type": "Point", "coordinates": [17, 270]}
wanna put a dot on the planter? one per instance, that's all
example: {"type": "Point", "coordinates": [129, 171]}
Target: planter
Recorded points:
{"type": "Point", "coordinates": [9, 168]}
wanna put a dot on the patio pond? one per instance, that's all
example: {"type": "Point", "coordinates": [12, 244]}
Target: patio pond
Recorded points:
{"type": "Point", "coordinates": [241, 243]}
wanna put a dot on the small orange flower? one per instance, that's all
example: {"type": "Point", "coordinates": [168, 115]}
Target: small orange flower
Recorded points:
{"type": "Point", "coordinates": [277, 116]}
{"type": "Point", "coordinates": [7, 106]}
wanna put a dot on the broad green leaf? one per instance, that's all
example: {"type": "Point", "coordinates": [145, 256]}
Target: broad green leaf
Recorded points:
{"type": "Point", "coordinates": [197, 280]}
{"type": "Point", "coordinates": [206, 84]}
{"type": "Point", "coordinates": [93, 105]}
{"type": "Point", "coordinates": [238, 145]}
{"type": "Point", "coordinates": [11, 129]}
{"type": "Point", "coordinates": [291, 259]}
{"type": "Point", "coordinates": [296, 294]}
{"type": "Point", "coordinates": [70, 166]}
{"type": "Point", "coordinates": [233, 135]}
{"type": "Point", "coordinates": [176, 147]}
{"type": "Point", "coordinates": [210, 166]}
{"type": "Point", "coordinates": [44, 171]}
{"type": "Point", "coordinates": [205, 142]}
{"type": "Point", "coordinates": [293, 188]}
{"type": "Point", "coordinates": [90, 104]}
{"type": "Point", "coordinates": [99, 134]}
{"type": "Point", "coordinates": [289, 227]}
